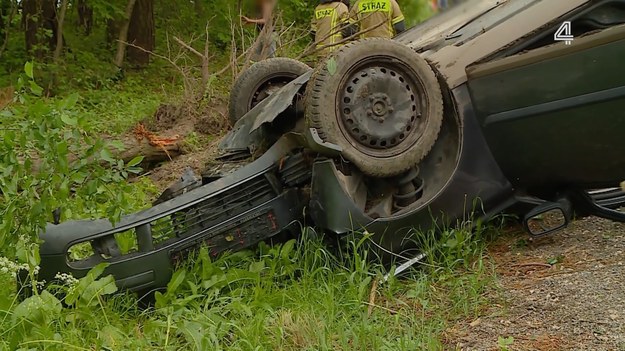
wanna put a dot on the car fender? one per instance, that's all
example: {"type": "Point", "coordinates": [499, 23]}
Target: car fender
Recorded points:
{"type": "Point", "coordinates": [246, 133]}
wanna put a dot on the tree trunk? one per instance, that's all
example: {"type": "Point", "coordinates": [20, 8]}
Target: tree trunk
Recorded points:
{"type": "Point", "coordinates": [49, 22]}
{"type": "Point", "coordinates": [8, 21]}
{"type": "Point", "coordinates": [123, 34]}
{"type": "Point", "coordinates": [141, 33]}
{"type": "Point", "coordinates": [59, 31]}
{"type": "Point", "coordinates": [30, 13]}
{"type": "Point", "coordinates": [6, 10]}
{"type": "Point", "coordinates": [39, 19]}
{"type": "Point", "coordinates": [112, 32]}
{"type": "Point", "coordinates": [85, 16]}
{"type": "Point", "coordinates": [150, 153]}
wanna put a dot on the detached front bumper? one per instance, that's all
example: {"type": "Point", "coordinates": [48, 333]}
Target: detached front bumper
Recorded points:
{"type": "Point", "coordinates": [252, 204]}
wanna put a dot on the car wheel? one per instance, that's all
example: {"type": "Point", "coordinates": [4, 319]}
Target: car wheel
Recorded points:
{"type": "Point", "coordinates": [380, 102]}
{"type": "Point", "coordinates": [259, 81]}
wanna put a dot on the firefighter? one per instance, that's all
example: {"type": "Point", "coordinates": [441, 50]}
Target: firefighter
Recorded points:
{"type": "Point", "coordinates": [265, 45]}
{"type": "Point", "coordinates": [330, 25]}
{"type": "Point", "coordinates": [377, 18]}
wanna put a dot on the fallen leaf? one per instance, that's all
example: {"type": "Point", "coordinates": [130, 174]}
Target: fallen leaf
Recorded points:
{"type": "Point", "coordinates": [332, 66]}
{"type": "Point", "coordinates": [476, 322]}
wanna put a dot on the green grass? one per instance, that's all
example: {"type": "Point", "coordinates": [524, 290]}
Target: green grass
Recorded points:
{"type": "Point", "coordinates": [118, 109]}
{"type": "Point", "coordinates": [296, 296]}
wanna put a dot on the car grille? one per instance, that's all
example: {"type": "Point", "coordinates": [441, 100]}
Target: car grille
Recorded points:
{"type": "Point", "coordinates": [213, 210]}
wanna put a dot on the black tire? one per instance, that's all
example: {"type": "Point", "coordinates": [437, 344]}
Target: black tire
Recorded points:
{"type": "Point", "coordinates": [256, 79]}
{"type": "Point", "coordinates": [349, 108]}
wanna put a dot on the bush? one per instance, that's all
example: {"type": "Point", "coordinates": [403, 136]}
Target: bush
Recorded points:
{"type": "Point", "coordinates": [49, 156]}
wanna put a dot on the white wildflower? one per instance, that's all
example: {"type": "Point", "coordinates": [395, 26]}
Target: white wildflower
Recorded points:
{"type": "Point", "coordinates": [67, 279]}
{"type": "Point", "coordinates": [11, 267]}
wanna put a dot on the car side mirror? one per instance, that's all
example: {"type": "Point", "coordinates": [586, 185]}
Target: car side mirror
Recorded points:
{"type": "Point", "coordinates": [546, 219]}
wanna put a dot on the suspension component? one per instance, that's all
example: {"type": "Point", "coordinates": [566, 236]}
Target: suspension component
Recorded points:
{"type": "Point", "coordinates": [409, 189]}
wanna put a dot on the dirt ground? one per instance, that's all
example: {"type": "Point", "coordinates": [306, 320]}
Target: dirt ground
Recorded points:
{"type": "Point", "coordinates": [205, 125]}
{"type": "Point", "coordinates": [564, 292]}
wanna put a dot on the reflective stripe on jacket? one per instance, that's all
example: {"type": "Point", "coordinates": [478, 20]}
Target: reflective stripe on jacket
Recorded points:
{"type": "Point", "coordinates": [327, 22]}
{"type": "Point", "coordinates": [376, 17]}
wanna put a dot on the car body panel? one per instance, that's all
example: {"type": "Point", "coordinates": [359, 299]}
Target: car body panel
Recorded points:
{"type": "Point", "coordinates": [246, 133]}
{"type": "Point", "coordinates": [496, 29]}
{"type": "Point", "coordinates": [554, 115]}
{"type": "Point", "coordinates": [431, 32]}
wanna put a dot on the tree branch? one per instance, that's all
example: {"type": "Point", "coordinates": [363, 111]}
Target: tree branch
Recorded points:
{"type": "Point", "coordinates": [188, 47]}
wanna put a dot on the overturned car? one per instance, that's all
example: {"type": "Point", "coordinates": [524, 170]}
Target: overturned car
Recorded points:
{"type": "Point", "coordinates": [476, 111]}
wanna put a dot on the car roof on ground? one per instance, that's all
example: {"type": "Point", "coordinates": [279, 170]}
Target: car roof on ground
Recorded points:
{"type": "Point", "coordinates": [476, 29]}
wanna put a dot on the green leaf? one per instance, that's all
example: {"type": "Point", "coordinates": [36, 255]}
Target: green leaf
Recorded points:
{"type": "Point", "coordinates": [62, 148]}
{"type": "Point", "coordinates": [503, 343]}
{"type": "Point", "coordinates": [176, 280]}
{"type": "Point", "coordinates": [195, 334]}
{"type": "Point", "coordinates": [257, 267]}
{"type": "Point", "coordinates": [332, 66]}
{"type": "Point", "coordinates": [160, 299]}
{"type": "Point", "coordinates": [451, 243]}
{"type": "Point", "coordinates": [107, 156]}
{"type": "Point", "coordinates": [215, 281]}
{"type": "Point", "coordinates": [64, 190]}
{"type": "Point", "coordinates": [135, 161]}
{"type": "Point", "coordinates": [88, 288]}
{"type": "Point", "coordinates": [33, 257]}
{"type": "Point", "coordinates": [287, 248]}
{"type": "Point", "coordinates": [38, 309]}
{"type": "Point", "coordinates": [111, 337]}
{"type": "Point", "coordinates": [78, 177]}
{"type": "Point", "coordinates": [28, 69]}
{"type": "Point", "coordinates": [98, 270]}
{"type": "Point", "coordinates": [35, 89]}
{"type": "Point", "coordinates": [68, 120]}
{"type": "Point", "coordinates": [69, 102]}
{"type": "Point", "coordinates": [363, 287]}
{"type": "Point", "coordinates": [103, 286]}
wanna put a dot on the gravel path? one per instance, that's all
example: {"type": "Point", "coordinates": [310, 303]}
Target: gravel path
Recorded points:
{"type": "Point", "coordinates": [564, 292]}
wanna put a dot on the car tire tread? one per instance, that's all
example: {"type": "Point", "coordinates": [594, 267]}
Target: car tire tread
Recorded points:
{"type": "Point", "coordinates": [320, 106]}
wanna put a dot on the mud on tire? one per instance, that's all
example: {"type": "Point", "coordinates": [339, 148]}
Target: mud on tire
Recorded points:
{"type": "Point", "coordinates": [379, 101]}
{"type": "Point", "coordinates": [258, 81]}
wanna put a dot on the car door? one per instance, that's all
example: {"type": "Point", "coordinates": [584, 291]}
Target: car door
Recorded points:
{"type": "Point", "coordinates": [555, 115]}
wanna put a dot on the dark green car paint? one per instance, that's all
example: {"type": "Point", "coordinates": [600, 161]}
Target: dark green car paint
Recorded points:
{"type": "Point", "coordinates": [556, 116]}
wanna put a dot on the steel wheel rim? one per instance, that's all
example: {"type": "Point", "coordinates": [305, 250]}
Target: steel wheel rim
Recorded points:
{"type": "Point", "coordinates": [379, 107]}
